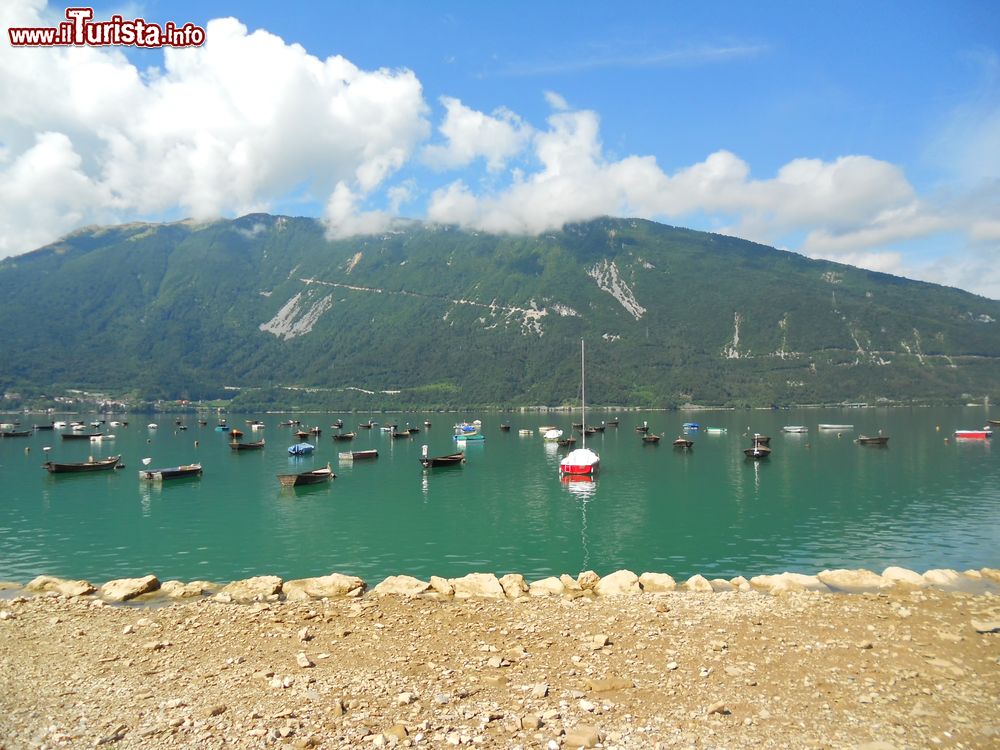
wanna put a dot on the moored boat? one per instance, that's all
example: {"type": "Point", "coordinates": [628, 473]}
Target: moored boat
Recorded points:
{"type": "Point", "coordinates": [553, 435]}
{"type": "Point", "coordinates": [757, 452]}
{"type": "Point", "coordinates": [466, 431]}
{"type": "Point", "coordinates": [650, 438]}
{"type": "Point", "coordinates": [683, 443]}
{"type": "Point", "coordinates": [344, 436]}
{"type": "Point", "coordinates": [301, 449]}
{"type": "Point", "coordinates": [433, 462]}
{"type": "Point", "coordinates": [716, 430]}
{"type": "Point", "coordinates": [174, 472]}
{"type": "Point", "coordinates": [691, 426]}
{"type": "Point", "coordinates": [581, 462]}
{"type": "Point", "coordinates": [358, 455]}
{"type": "Point", "coordinates": [15, 433]}
{"type": "Point", "coordinates": [80, 435]}
{"type": "Point", "coordinates": [761, 439]}
{"type": "Point", "coordinates": [644, 427]}
{"type": "Point", "coordinates": [796, 428]}
{"type": "Point", "coordinates": [247, 446]}
{"type": "Point", "coordinates": [316, 476]}
{"type": "Point", "coordinates": [91, 464]}
{"type": "Point", "coordinates": [872, 440]}
{"type": "Point", "coordinates": [982, 434]}
{"type": "Point", "coordinates": [840, 427]}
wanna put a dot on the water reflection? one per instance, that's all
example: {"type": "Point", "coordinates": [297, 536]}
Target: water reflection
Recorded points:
{"type": "Point", "coordinates": [583, 489]}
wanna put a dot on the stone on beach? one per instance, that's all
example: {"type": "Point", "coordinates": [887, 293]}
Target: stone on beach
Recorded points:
{"type": "Point", "coordinates": [257, 588]}
{"type": "Point", "coordinates": [698, 584]}
{"type": "Point", "coordinates": [619, 583]}
{"type": "Point", "coordinates": [514, 585]}
{"type": "Point", "coordinates": [582, 735]}
{"type": "Point", "coordinates": [181, 590]}
{"type": "Point", "coordinates": [657, 583]}
{"type": "Point", "coordinates": [550, 586]}
{"type": "Point", "coordinates": [788, 582]}
{"type": "Point", "coordinates": [588, 580]}
{"type": "Point", "coordinates": [401, 586]}
{"type": "Point", "coordinates": [853, 581]}
{"type": "Point", "coordinates": [992, 574]}
{"type": "Point", "coordinates": [331, 586]}
{"type": "Point", "coordinates": [903, 576]}
{"type": "Point", "coordinates": [483, 585]}
{"type": "Point", "coordinates": [945, 579]}
{"type": "Point", "coordinates": [44, 584]}
{"type": "Point", "coordinates": [442, 586]}
{"type": "Point", "coordinates": [123, 589]}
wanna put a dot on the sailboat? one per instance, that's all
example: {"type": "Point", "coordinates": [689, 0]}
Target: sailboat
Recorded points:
{"type": "Point", "coordinates": [581, 462]}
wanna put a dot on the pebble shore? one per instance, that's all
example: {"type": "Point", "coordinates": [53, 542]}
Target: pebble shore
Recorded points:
{"type": "Point", "coordinates": [842, 659]}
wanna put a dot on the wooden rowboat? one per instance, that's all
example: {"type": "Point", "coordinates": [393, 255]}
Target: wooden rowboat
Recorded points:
{"type": "Point", "coordinates": [316, 476]}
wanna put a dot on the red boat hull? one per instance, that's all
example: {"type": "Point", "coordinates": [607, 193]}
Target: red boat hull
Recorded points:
{"type": "Point", "coordinates": [973, 434]}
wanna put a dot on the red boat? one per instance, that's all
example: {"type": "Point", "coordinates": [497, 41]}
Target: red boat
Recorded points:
{"type": "Point", "coordinates": [974, 434]}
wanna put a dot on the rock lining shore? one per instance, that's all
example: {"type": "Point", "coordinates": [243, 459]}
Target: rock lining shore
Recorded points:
{"type": "Point", "coordinates": [513, 585]}
{"type": "Point", "coordinates": [622, 661]}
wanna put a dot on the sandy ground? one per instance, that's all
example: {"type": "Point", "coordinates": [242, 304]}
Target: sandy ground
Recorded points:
{"type": "Point", "coordinates": [724, 670]}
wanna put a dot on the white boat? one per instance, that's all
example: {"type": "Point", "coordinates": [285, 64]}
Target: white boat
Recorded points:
{"type": "Point", "coordinates": [552, 435]}
{"type": "Point", "coordinates": [525, 433]}
{"type": "Point", "coordinates": [581, 462]}
{"type": "Point", "coordinates": [715, 430]}
{"type": "Point", "coordinates": [794, 428]}
{"type": "Point", "coordinates": [59, 425]}
{"type": "Point", "coordinates": [840, 427]}
{"type": "Point", "coordinates": [152, 425]}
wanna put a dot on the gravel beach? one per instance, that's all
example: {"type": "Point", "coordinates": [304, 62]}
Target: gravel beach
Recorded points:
{"type": "Point", "coordinates": [902, 668]}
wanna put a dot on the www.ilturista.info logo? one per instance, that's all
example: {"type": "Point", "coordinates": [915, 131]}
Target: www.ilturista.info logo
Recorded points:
{"type": "Point", "coordinates": [81, 30]}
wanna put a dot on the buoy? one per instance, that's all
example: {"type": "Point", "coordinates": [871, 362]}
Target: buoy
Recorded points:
{"type": "Point", "coordinates": [195, 443]}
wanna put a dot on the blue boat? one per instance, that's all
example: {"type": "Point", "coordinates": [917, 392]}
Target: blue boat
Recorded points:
{"type": "Point", "coordinates": [466, 431]}
{"type": "Point", "coordinates": [301, 449]}
{"type": "Point", "coordinates": [691, 425]}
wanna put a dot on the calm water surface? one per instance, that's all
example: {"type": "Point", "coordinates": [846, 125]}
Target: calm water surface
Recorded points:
{"type": "Point", "coordinates": [820, 501]}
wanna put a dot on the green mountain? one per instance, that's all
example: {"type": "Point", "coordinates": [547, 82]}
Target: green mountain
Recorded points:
{"type": "Point", "coordinates": [267, 305]}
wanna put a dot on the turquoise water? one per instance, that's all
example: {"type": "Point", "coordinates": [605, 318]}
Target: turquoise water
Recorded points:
{"type": "Point", "coordinates": [820, 501]}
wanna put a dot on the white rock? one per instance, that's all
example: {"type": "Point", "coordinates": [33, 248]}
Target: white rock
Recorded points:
{"type": "Point", "coordinates": [853, 581]}
{"type": "Point", "coordinates": [513, 585]}
{"type": "Point", "coordinates": [698, 584]}
{"type": "Point", "coordinates": [401, 586]}
{"type": "Point", "coordinates": [788, 582]}
{"type": "Point", "coordinates": [442, 586]}
{"type": "Point", "coordinates": [657, 583]}
{"type": "Point", "coordinates": [250, 589]}
{"type": "Point", "coordinates": [588, 580]}
{"type": "Point", "coordinates": [550, 586]}
{"type": "Point", "coordinates": [61, 586]}
{"type": "Point", "coordinates": [333, 586]}
{"type": "Point", "coordinates": [483, 585]}
{"type": "Point", "coordinates": [903, 576]}
{"type": "Point", "coordinates": [123, 589]}
{"type": "Point", "coordinates": [619, 583]}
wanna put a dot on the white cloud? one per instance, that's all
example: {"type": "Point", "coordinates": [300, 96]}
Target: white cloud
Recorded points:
{"type": "Point", "coordinates": [345, 219]}
{"type": "Point", "coordinates": [471, 135]}
{"type": "Point", "coordinates": [248, 120]}
{"type": "Point", "coordinates": [229, 127]}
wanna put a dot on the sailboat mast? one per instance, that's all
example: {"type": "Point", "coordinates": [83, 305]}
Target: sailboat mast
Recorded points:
{"type": "Point", "coordinates": [583, 393]}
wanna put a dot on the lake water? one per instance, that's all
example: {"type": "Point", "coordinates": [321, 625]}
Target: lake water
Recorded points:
{"type": "Point", "coordinates": [820, 501]}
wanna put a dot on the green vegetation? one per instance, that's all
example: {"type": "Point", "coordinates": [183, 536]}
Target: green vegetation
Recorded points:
{"type": "Point", "coordinates": [267, 310]}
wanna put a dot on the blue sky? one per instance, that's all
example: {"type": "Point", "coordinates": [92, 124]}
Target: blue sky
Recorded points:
{"type": "Point", "coordinates": [867, 133]}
